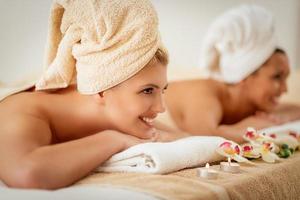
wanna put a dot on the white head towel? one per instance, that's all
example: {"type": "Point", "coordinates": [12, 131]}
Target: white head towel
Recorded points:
{"type": "Point", "coordinates": [108, 41]}
{"type": "Point", "coordinates": [238, 43]}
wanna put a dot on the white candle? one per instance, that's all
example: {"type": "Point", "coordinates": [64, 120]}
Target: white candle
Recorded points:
{"type": "Point", "coordinates": [230, 167]}
{"type": "Point", "coordinates": [206, 172]}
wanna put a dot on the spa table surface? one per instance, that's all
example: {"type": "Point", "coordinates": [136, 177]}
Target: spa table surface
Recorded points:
{"type": "Point", "coordinates": [262, 181]}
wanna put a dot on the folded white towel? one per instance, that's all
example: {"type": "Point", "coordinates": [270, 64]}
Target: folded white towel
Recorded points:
{"type": "Point", "coordinates": [2, 184]}
{"type": "Point", "coordinates": [162, 158]}
{"type": "Point", "coordinates": [282, 132]}
{"type": "Point", "coordinates": [281, 129]}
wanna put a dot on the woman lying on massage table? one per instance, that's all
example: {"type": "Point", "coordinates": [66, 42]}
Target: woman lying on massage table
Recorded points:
{"type": "Point", "coordinates": [50, 139]}
{"type": "Point", "coordinates": [248, 75]}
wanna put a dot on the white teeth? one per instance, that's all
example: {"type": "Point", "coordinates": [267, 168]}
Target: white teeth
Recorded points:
{"type": "Point", "coordinates": [148, 120]}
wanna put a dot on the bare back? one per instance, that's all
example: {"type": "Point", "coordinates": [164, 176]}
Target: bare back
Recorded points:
{"type": "Point", "coordinates": [34, 127]}
{"type": "Point", "coordinates": [51, 116]}
{"type": "Point", "coordinates": [209, 107]}
{"type": "Point", "coordinates": [195, 104]}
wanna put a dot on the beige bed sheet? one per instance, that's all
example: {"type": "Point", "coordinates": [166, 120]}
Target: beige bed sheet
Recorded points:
{"type": "Point", "coordinates": [263, 181]}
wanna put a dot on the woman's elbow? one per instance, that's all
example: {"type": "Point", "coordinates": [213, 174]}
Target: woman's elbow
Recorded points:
{"type": "Point", "coordinates": [28, 176]}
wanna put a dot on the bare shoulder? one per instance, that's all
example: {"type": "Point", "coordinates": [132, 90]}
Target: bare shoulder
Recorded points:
{"type": "Point", "coordinates": [198, 90]}
{"type": "Point", "coordinates": [22, 131]}
{"type": "Point", "coordinates": [22, 120]}
{"type": "Point", "coordinates": [194, 101]}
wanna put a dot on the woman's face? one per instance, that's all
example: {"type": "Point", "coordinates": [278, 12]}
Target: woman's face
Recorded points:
{"type": "Point", "coordinates": [269, 82]}
{"type": "Point", "coordinates": [133, 104]}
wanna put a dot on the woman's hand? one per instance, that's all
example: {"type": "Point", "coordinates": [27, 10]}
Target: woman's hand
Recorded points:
{"type": "Point", "coordinates": [272, 117]}
{"type": "Point", "coordinates": [128, 140]}
{"type": "Point", "coordinates": [160, 136]}
{"type": "Point", "coordinates": [258, 122]}
{"type": "Point", "coordinates": [168, 136]}
{"type": "Point", "coordinates": [287, 112]}
{"type": "Point", "coordinates": [283, 114]}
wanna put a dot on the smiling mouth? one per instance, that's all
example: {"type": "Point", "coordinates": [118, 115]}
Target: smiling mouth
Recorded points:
{"type": "Point", "coordinates": [148, 121]}
{"type": "Point", "coordinates": [275, 100]}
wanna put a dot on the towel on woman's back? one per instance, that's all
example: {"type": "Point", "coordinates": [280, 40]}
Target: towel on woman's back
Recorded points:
{"type": "Point", "coordinates": [162, 158]}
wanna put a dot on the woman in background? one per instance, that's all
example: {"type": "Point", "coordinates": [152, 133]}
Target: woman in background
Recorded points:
{"type": "Point", "coordinates": [247, 75]}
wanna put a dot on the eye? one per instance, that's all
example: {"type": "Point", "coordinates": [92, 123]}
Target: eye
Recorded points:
{"type": "Point", "coordinates": [165, 88]}
{"type": "Point", "coordinates": [147, 91]}
{"type": "Point", "coordinates": [277, 77]}
{"type": "Point", "coordinates": [163, 91]}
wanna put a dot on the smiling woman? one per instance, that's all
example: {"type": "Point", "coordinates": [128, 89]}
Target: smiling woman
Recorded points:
{"type": "Point", "coordinates": [132, 105]}
{"type": "Point", "coordinates": [269, 82]}
{"type": "Point", "coordinates": [247, 73]}
{"type": "Point", "coordinates": [120, 66]}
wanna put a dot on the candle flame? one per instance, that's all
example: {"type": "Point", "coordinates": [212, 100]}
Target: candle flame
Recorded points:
{"type": "Point", "coordinates": [207, 166]}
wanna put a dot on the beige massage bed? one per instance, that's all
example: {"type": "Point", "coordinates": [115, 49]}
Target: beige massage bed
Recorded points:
{"type": "Point", "coordinates": [264, 181]}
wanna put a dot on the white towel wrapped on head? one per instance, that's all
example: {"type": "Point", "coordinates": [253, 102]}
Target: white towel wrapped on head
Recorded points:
{"type": "Point", "coordinates": [238, 43]}
{"type": "Point", "coordinates": [162, 158]}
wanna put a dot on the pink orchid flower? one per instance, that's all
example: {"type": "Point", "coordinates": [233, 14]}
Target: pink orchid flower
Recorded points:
{"type": "Point", "coordinates": [256, 138]}
{"type": "Point", "coordinates": [231, 150]}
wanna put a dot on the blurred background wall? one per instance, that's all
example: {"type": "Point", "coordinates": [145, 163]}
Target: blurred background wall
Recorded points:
{"type": "Point", "coordinates": [183, 23]}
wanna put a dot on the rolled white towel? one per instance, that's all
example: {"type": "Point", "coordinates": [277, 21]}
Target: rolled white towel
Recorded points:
{"type": "Point", "coordinates": [162, 158]}
{"type": "Point", "coordinates": [282, 133]}
{"type": "Point", "coordinates": [2, 184]}
{"type": "Point", "coordinates": [282, 129]}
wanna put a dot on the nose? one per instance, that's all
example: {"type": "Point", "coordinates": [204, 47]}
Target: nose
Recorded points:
{"type": "Point", "coordinates": [283, 87]}
{"type": "Point", "coordinates": [159, 104]}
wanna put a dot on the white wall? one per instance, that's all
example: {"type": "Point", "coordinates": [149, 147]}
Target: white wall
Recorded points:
{"type": "Point", "coordinates": [22, 37]}
{"type": "Point", "coordinates": [182, 22]}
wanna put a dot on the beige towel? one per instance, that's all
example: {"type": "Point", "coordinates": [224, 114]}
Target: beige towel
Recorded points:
{"type": "Point", "coordinates": [238, 43]}
{"type": "Point", "coordinates": [107, 40]}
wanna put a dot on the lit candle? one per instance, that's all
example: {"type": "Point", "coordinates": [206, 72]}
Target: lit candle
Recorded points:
{"type": "Point", "coordinates": [206, 172]}
{"type": "Point", "coordinates": [230, 167]}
